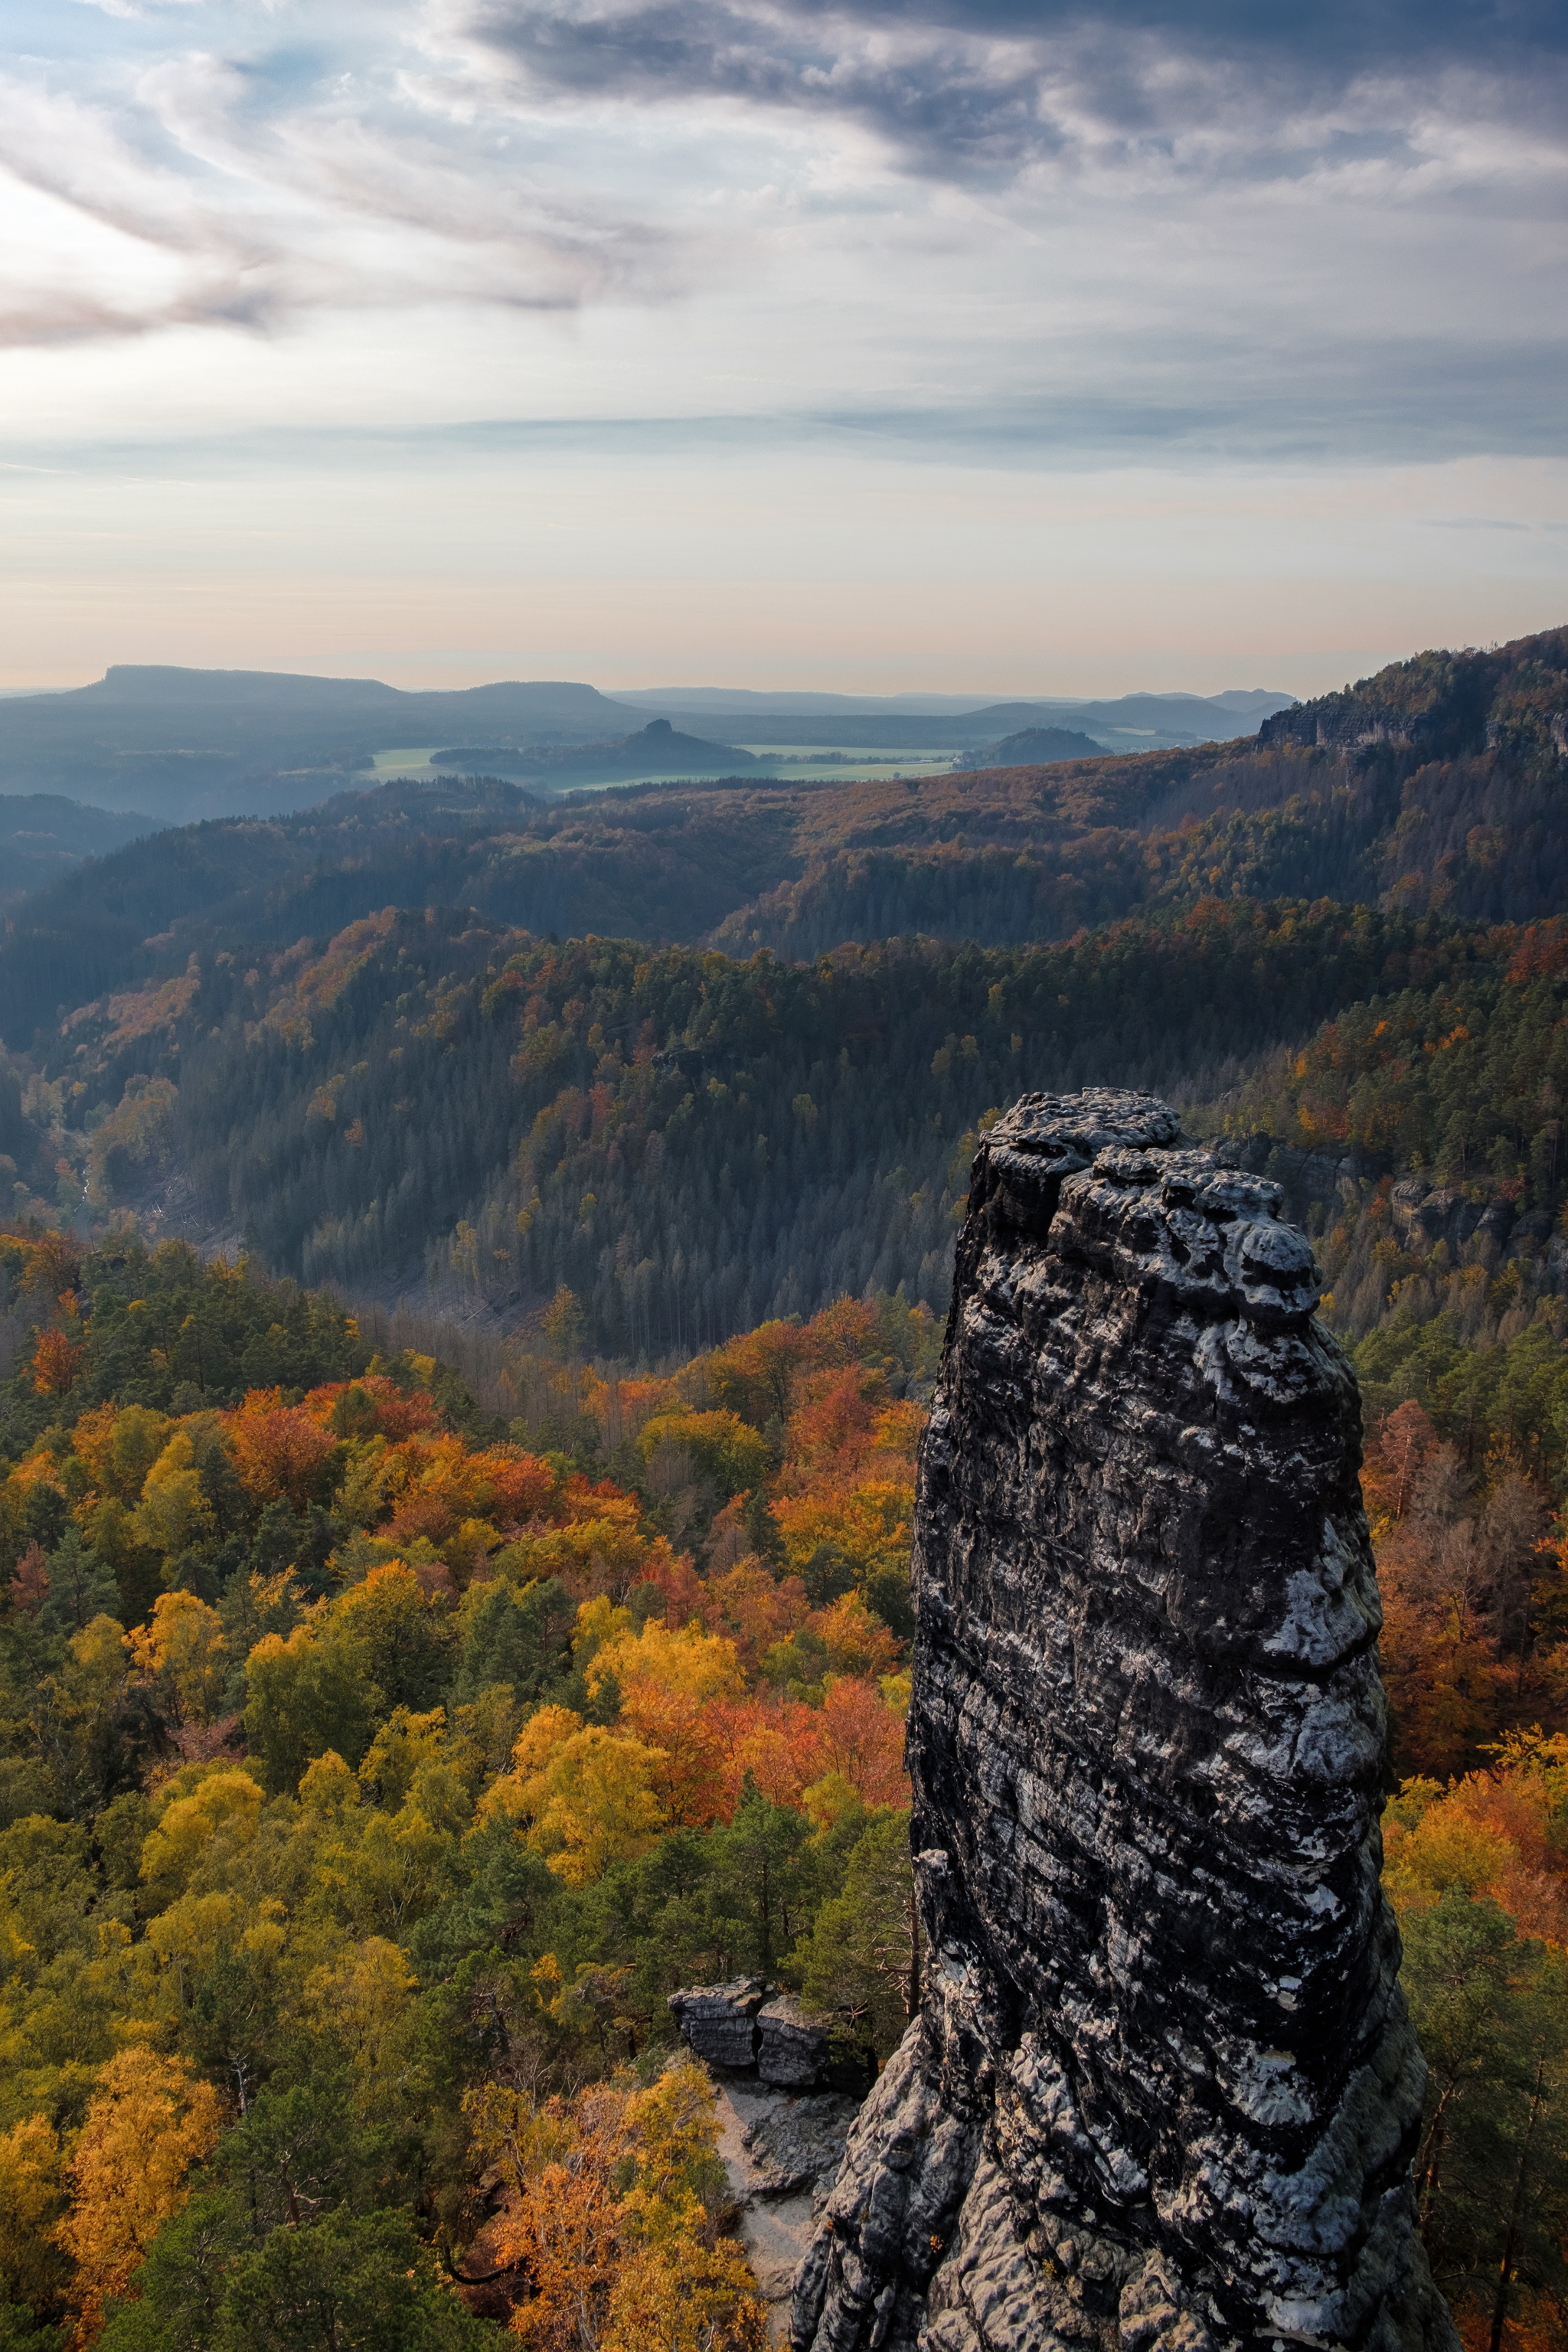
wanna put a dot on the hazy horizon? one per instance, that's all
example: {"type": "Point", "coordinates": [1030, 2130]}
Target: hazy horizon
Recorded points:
{"type": "Point", "coordinates": [718, 700]}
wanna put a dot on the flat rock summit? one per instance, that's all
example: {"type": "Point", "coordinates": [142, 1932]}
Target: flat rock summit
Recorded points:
{"type": "Point", "coordinates": [1162, 2092]}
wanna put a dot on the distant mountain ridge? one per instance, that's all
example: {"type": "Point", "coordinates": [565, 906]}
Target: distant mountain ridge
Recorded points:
{"type": "Point", "coordinates": [716, 701]}
{"type": "Point", "coordinates": [186, 744]}
{"type": "Point", "coordinates": [1132, 722]}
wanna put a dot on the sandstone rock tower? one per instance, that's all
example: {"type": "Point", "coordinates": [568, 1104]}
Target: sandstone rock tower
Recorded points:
{"type": "Point", "coordinates": [1163, 2092]}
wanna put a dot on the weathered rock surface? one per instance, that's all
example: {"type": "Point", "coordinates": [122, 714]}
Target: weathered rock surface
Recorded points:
{"type": "Point", "coordinates": [782, 2151]}
{"type": "Point", "coordinates": [747, 2025]}
{"type": "Point", "coordinates": [718, 2023]}
{"type": "Point", "coordinates": [793, 2047]}
{"type": "Point", "coordinates": [1163, 2091]}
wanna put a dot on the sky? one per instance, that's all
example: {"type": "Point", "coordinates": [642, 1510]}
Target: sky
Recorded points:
{"type": "Point", "coordinates": [967, 346]}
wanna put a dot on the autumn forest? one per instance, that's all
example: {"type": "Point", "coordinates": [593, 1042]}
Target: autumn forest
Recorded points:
{"type": "Point", "coordinates": [465, 1349]}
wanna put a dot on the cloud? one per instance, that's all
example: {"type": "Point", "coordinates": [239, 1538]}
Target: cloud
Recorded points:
{"type": "Point", "coordinates": [235, 192]}
{"type": "Point", "coordinates": [982, 90]}
{"type": "Point", "coordinates": [974, 223]}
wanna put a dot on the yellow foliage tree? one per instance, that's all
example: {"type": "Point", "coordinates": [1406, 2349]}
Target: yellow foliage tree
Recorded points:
{"type": "Point", "coordinates": [594, 1804]}
{"type": "Point", "coordinates": [120, 1448]}
{"type": "Point", "coordinates": [510, 1798]}
{"type": "Point", "coordinates": [375, 1871]}
{"type": "Point", "coordinates": [32, 2196]}
{"type": "Point", "coordinates": [609, 1544]}
{"type": "Point", "coordinates": [147, 2122]}
{"type": "Point", "coordinates": [671, 2128]}
{"type": "Point", "coordinates": [327, 1788]}
{"type": "Point", "coordinates": [361, 1999]}
{"type": "Point", "coordinates": [687, 1664]}
{"type": "Point", "coordinates": [184, 1650]}
{"type": "Point", "coordinates": [693, 2298]}
{"type": "Point", "coordinates": [583, 1797]}
{"type": "Point", "coordinates": [869, 1524]}
{"type": "Point", "coordinates": [404, 1744]}
{"type": "Point", "coordinates": [213, 1821]}
{"type": "Point", "coordinates": [184, 1940]}
{"type": "Point", "coordinates": [174, 1512]}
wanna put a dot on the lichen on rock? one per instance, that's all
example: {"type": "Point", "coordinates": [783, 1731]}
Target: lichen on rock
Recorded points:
{"type": "Point", "coordinates": [1163, 2092]}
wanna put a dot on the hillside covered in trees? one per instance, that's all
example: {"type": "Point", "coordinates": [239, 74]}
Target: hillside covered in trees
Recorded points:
{"type": "Point", "coordinates": [394, 1714]}
{"type": "Point", "coordinates": [1457, 816]}
{"type": "Point", "coordinates": [376, 1756]}
{"type": "Point", "coordinates": [368, 1780]}
{"type": "Point", "coordinates": [690, 1143]}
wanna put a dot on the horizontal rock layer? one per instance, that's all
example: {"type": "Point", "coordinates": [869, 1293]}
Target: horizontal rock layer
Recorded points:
{"type": "Point", "coordinates": [744, 2026]}
{"type": "Point", "coordinates": [1163, 2091]}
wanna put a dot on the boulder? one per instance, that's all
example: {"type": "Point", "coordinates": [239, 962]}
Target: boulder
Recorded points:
{"type": "Point", "coordinates": [718, 2023]}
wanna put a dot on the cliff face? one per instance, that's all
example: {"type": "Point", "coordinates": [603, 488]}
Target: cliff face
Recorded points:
{"type": "Point", "coordinates": [1163, 2092]}
{"type": "Point", "coordinates": [1511, 698]}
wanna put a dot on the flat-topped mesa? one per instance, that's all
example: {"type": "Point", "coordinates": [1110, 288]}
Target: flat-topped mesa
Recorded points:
{"type": "Point", "coordinates": [1163, 2092]}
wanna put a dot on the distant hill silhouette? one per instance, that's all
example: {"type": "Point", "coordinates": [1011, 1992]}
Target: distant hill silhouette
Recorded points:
{"type": "Point", "coordinates": [657, 748]}
{"type": "Point", "coordinates": [1035, 747]}
{"type": "Point", "coordinates": [184, 744]}
{"type": "Point", "coordinates": [43, 836]}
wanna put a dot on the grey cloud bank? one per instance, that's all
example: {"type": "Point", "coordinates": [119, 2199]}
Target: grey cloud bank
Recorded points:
{"type": "Point", "coordinates": [1285, 91]}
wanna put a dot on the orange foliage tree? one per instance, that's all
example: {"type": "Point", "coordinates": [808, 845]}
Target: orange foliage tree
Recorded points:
{"type": "Point", "coordinates": [611, 2219]}
{"type": "Point", "coordinates": [58, 1359]}
{"type": "Point", "coordinates": [278, 1449]}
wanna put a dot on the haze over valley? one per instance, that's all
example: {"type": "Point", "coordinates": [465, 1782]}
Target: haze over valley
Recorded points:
{"type": "Point", "coordinates": [173, 745]}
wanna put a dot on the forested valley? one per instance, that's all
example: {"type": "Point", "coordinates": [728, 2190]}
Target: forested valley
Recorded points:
{"type": "Point", "coordinates": [1432, 785]}
{"type": "Point", "coordinates": [461, 1391]}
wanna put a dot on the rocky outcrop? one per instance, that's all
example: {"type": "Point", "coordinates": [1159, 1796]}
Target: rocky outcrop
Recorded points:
{"type": "Point", "coordinates": [793, 2048]}
{"type": "Point", "coordinates": [1438, 704]}
{"type": "Point", "coordinates": [780, 2150]}
{"type": "Point", "coordinates": [747, 2026]}
{"type": "Point", "coordinates": [785, 2103]}
{"type": "Point", "coordinates": [1163, 2091]}
{"type": "Point", "coordinates": [718, 2023]}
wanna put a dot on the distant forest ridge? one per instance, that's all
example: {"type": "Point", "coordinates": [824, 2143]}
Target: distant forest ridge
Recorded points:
{"type": "Point", "coordinates": [1436, 785]}
{"type": "Point", "coordinates": [751, 1079]}
{"type": "Point", "coordinates": [692, 1144]}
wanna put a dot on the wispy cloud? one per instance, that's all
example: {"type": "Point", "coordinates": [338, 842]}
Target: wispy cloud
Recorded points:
{"type": "Point", "coordinates": [1268, 227]}
{"type": "Point", "coordinates": [255, 189]}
